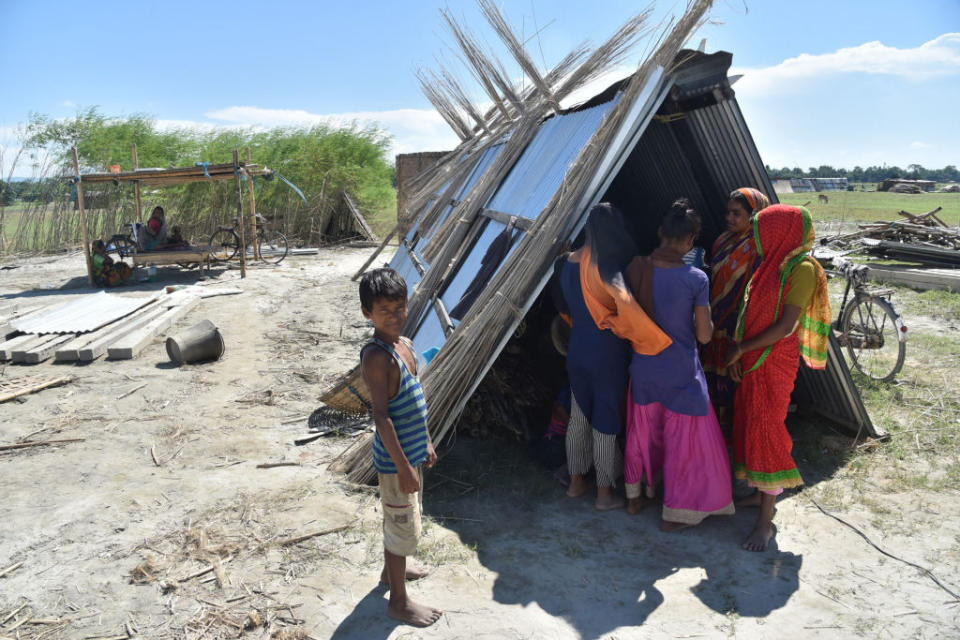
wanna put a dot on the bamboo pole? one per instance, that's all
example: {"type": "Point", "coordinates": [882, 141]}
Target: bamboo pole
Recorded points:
{"type": "Point", "coordinates": [253, 211]}
{"type": "Point", "coordinates": [136, 185]}
{"type": "Point", "coordinates": [83, 217]}
{"type": "Point", "coordinates": [243, 244]}
{"type": "Point", "coordinates": [382, 246]}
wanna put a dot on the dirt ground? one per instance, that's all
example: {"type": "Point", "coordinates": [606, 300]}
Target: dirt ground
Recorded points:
{"type": "Point", "coordinates": [159, 524]}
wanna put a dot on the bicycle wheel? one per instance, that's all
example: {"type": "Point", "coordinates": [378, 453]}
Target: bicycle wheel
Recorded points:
{"type": "Point", "coordinates": [874, 338]}
{"type": "Point", "coordinates": [224, 244]}
{"type": "Point", "coordinates": [121, 246]}
{"type": "Point", "coordinates": [273, 246]}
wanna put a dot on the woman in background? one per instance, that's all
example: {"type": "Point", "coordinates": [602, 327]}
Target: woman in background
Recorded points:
{"type": "Point", "coordinates": [734, 259]}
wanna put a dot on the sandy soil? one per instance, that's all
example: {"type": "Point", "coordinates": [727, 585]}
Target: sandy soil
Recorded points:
{"type": "Point", "coordinates": [166, 486]}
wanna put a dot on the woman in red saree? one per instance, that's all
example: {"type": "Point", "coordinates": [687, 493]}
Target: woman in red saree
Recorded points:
{"type": "Point", "coordinates": [734, 259]}
{"type": "Point", "coordinates": [785, 315]}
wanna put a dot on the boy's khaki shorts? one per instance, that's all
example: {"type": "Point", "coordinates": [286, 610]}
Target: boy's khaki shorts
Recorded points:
{"type": "Point", "coordinates": [401, 515]}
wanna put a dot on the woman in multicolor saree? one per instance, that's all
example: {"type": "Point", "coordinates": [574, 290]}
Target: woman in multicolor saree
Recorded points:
{"type": "Point", "coordinates": [735, 259]}
{"type": "Point", "coordinates": [785, 316]}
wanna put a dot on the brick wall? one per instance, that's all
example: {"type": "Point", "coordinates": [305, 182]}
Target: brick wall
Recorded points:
{"type": "Point", "coordinates": [409, 165]}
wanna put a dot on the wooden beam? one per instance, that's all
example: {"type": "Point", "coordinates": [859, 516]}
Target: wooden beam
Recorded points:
{"type": "Point", "coordinates": [6, 348]}
{"type": "Point", "coordinates": [95, 344]}
{"type": "Point", "coordinates": [41, 353]}
{"type": "Point", "coordinates": [441, 310]}
{"type": "Point", "coordinates": [136, 185]}
{"type": "Point", "coordinates": [519, 222]}
{"type": "Point", "coordinates": [415, 259]}
{"type": "Point", "coordinates": [243, 244]}
{"type": "Point", "coordinates": [96, 348]}
{"type": "Point", "coordinates": [253, 212]}
{"type": "Point", "coordinates": [83, 217]}
{"type": "Point", "coordinates": [373, 257]}
{"type": "Point", "coordinates": [133, 343]}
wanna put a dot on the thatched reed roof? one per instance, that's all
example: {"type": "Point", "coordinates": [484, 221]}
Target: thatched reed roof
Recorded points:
{"type": "Point", "coordinates": [514, 191]}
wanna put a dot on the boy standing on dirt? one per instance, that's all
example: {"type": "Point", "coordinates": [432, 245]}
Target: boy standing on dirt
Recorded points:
{"type": "Point", "coordinates": [401, 444]}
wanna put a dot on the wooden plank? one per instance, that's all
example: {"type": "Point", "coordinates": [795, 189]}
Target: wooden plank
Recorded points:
{"type": "Point", "coordinates": [921, 279]}
{"type": "Point", "coordinates": [18, 353]}
{"type": "Point", "coordinates": [93, 350]}
{"type": "Point", "coordinates": [358, 216]}
{"type": "Point", "coordinates": [70, 352]}
{"type": "Point", "coordinates": [6, 348]}
{"type": "Point", "coordinates": [133, 343]}
{"type": "Point", "coordinates": [40, 354]}
{"type": "Point", "coordinates": [169, 257]}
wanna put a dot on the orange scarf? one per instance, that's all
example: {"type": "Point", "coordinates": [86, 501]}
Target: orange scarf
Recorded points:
{"type": "Point", "coordinates": [613, 307]}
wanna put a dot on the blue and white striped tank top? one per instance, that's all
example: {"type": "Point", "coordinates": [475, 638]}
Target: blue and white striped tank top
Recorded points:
{"type": "Point", "coordinates": [408, 412]}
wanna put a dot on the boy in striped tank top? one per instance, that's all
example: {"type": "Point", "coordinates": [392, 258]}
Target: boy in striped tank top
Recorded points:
{"type": "Point", "coordinates": [401, 444]}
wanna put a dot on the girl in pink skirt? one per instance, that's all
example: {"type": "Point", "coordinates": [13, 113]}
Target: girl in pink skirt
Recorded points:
{"type": "Point", "coordinates": [672, 430]}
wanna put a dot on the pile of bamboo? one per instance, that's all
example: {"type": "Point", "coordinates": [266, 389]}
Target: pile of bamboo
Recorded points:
{"type": "Point", "coordinates": [926, 229]}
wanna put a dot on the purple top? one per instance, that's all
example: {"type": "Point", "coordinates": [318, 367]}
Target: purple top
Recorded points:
{"type": "Point", "coordinates": [674, 377]}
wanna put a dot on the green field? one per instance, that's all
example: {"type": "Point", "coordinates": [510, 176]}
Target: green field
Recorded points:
{"type": "Point", "coordinates": [869, 206]}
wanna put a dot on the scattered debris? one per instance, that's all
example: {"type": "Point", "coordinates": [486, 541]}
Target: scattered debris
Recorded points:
{"type": "Point", "coordinates": [925, 239]}
{"type": "Point", "coordinates": [25, 445]}
{"type": "Point", "coordinates": [15, 387]}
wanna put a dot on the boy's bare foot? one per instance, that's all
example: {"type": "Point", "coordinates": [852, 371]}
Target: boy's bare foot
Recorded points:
{"type": "Point", "coordinates": [413, 572]}
{"type": "Point", "coordinates": [578, 487]}
{"type": "Point", "coordinates": [759, 538]}
{"type": "Point", "coordinates": [636, 505]}
{"type": "Point", "coordinates": [752, 500]}
{"type": "Point", "coordinates": [670, 527]}
{"type": "Point", "coordinates": [419, 615]}
{"type": "Point", "coordinates": [609, 502]}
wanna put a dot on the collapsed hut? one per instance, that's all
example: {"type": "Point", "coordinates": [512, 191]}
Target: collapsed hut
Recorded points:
{"type": "Point", "coordinates": [490, 216]}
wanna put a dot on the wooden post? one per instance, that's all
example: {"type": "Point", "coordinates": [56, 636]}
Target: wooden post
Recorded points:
{"type": "Point", "coordinates": [83, 218]}
{"type": "Point", "coordinates": [243, 244]}
{"type": "Point", "coordinates": [136, 185]}
{"type": "Point", "coordinates": [253, 212]}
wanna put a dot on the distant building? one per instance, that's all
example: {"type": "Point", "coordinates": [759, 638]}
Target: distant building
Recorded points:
{"type": "Point", "coordinates": [830, 184]}
{"type": "Point", "coordinates": [922, 185]}
{"type": "Point", "coordinates": [807, 185]}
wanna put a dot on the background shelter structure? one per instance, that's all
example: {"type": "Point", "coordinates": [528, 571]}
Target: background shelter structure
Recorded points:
{"type": "Point", "coordinates": [671, 129]}
{"type": "Point", "coordinates": [201, 172]}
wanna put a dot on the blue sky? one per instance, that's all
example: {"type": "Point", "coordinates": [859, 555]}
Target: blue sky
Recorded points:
{"type": "Point", "coordinates": [840, 82]}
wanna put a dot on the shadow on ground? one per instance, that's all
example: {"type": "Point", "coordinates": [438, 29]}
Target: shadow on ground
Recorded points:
{"type": "Point", "coordinates": [367, 619]}
{"type": "Point", "coordinates": [598, 571]}
{"type": "Point", "coordinates": [165, 276]}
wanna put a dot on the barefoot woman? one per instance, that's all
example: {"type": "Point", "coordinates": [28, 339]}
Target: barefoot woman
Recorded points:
{"type": "Point", "coordinates": [785, 315]}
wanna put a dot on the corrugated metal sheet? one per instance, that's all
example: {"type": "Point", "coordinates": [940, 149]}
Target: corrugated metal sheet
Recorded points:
{"type": "Point", "coordinates": [80, 316]}
{"type": "Point", "coordinates": [703, 152]}
{"type": "Point", "coordinates": [539, 171]}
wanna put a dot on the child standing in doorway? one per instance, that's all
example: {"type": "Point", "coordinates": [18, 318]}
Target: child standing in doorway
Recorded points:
{"type": "Point", "coordinates": [401, 444]}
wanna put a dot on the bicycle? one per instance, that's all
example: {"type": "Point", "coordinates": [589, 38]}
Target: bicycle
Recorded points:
{"type": "Point", "coordinates": [123, 244]}
{"type": "Point", "coordinates": [871, 330]}
{"type": "Point", "coordinates": [271, 244]}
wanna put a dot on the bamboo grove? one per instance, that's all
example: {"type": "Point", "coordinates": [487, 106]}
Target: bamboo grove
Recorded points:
{"type": "Point", "coordinates": [321, 160]}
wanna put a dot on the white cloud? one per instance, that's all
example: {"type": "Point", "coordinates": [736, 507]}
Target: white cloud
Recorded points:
{"type": "Point", "coordinates": [920, 145]}
{"type": "Point", "coordinates": [70, 104]}
{"type": "Point", "coordinates": [936, 58]}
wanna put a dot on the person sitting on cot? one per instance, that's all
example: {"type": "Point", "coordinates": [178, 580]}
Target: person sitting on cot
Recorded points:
{"type": "Point", "coordinates": [106, 272]}
{"type": "Point", "coordinates": [155, 235]}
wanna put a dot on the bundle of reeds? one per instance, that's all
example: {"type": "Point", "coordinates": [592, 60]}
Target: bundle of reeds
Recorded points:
{"type": "Point", "coordinates": [459, 367]}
